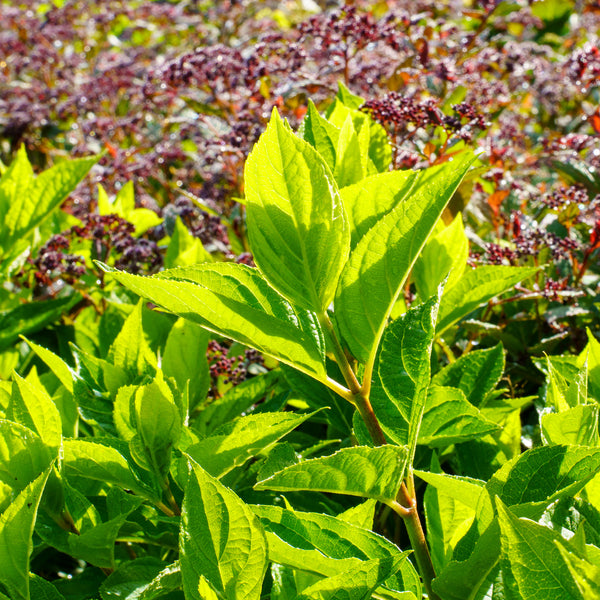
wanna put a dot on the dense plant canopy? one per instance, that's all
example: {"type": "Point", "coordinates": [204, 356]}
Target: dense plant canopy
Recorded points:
{"type": "Point", "coordinates": [299, 300]}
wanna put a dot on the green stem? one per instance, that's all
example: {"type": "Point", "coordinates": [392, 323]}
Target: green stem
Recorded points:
{"type": "Point", "coordinates": [406, 504]}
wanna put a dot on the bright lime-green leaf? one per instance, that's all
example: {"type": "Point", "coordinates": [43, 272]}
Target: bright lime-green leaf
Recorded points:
{"type": "Point", "coordinates": [16, 531]}
{"type": "Point", "coordinates": [356, 584]}
{"type": "Point", "coordinates": [358, 471]}
{"type": "Point", "coordinates": [44, 195]}
{"type": "Point", "coordinates": [321, 135]}
{"type": "Point", "coordinates": [577, 426]}
{"type": "Point", "coordinates": [475, 288]}
{"type": "Point", "coordinates": [361, 515]}
{"type": "Point", "coordinates": [450, 419]}
{"type": "Point", "coordinates": [476, 373]}
{"type": "Point", "coordinates": [15, 181]}
{"type": "Point", "coordinates": [462, 489]}
{"type": "Point", "coordinates": [379, 265]}
{"type": "Point", "coordinates": [445, 254]}
{"type": "Point", "coordinates": [23, 457]}
{"type": "Point", "coordinates": [234, 443]}
{"type": "Point", "coordinates": [185, 249]}
{"type": "Point", "coordinates": [220, 539]}
{"type": "Point", "coordinates": [585, 574]}
{"type": "Point", "coordinates": [130, 350]}
{"type": "Point", "coordinates": [32, 406]}
{"type": "Point", "coordinates": [322, 544]}
{"type": "Point", "coordinates": [168, 580]}
{"type": "Point", "coordinates": [348, 166]}
{"type": "Point", "coordinates": [591, 355]}
{"type": "Point", "coordinates": [372, 198]}
{"type": "Point", "coordinates": [234, 402]}
{"type": "Point", "coordinates": [158, 424]}
{"type": "Point", "coordinates": [404, 368]}
{"type": "Point", "coordinates": [545, 474]}
{"type": "Point", "coordinates": [92, 460]}
{"type": "Point", "coordinates": [56, 364]}
{"type": "Point", "coordinates": [235, 301]}
{"type": "Point", "coordinates": [532, 565]}
{"type": "Point", "coordinates": [473, 576]}
{"type": "Point", "coordinates": [297, 227]}
{"type": "Point", "coordinates": [184, 359]}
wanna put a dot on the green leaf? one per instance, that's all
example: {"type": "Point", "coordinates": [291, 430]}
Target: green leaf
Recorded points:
{"type": "Point", "coordinates": [92, 460]}
{"type": "Point", "coordinates": [472, 577]}
{"type": "Point", "coordinates": [16, 531]}
{"type": "Point", "coordinates": [358, 471]}
{"type": "Point", "coordinates": [450, 419]}
{"type": "Point", "coordinates": [185, 249]}
{"type": "Point", "coordinates": [445, 254]}
{"type": "Point", "coordinates": [56, 364]}
{"type": "Point", "coordinates": [544, 474]}
{"type": "Point", "coordinates": [168, 580]}
{"type": "Point", "coordinates": [367, 201]}
{"type": "Point", "coordinates": [532, 565]}
{"type": "Point", "coordinates": [476, 373]}
{"type": "Point", "coordinates": [158, 424]}
{"type": "Point", "coordinates": [234, 443]}
{"type": "Point", "coordinates": [234, 402]}
{"type": "Point", "coordinates": [130, 351]}
{"type": "Point", "coordinates": [591, 355]}
{"type": "Point", "coordinates": [31, 317]}
{"type": "Point", "coordinates": [325, 545]}
{"type": "Point", "coordinates": [220, 539]}
{"type": "Point", "coordinates": [348, 166]}
{"type": "Point", "coordinates": [357, 584]}
{"type": "Point", "coordinates": [44, 195]}
{"type": "Point", "coordinates": [450, 507]}
{"type": "Point", "coordinates": [577, 426]}
{"type": "Point", "coordinates": [131, 578]}
{"type": "Point", "coordinates": [321, 135]}
{"type": "Point", "coordinates": [475, 288]}
{"type": "Point", "coordinates": [15, 181]}
{"type": "Point", "coordinates": [585, 574]}
{"type": "Point", "coordinates": [296, 223]}
{"type": "Point", "coordinates": [404, 368]}
{"type": "Point", "coordinates": [31, 406]}
{"type": "Point", "coordinates": [184, 359]}
{"type": "Point", "coordinates": [40, 589]}
{"type": "Point", "coordinates": [379, 265]}
{"type": "Point", "coordinates": [23, 457]}
{"type": "Point", "coordinates": [235, 301]}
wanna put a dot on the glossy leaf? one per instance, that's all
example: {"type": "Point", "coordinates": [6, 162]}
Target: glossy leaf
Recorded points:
{"type": "Point", "coordinates": [544, 474]}
{"type": "Point", "coordinates": [532, 565]}
{"type": "Point", "coordinates": [296, 223]}
{"type": "Point", "coordinates": [450, 419]}
{"type": "Point", "coordinates": [32, 406]}
{"type": "Point", "coordinates": [321, 135]}
{"type": "Point", "coordinates": [55, 363]}
{"type": "Point", "coordinates": [220, 539]}
{"type": "Point", "coordinates": [367, 201]}
{"type": "Point", "coordinates": [130, 350]}
{"type": "Point", "coordinates": [379, 265]}
{"type": "Point", "coordinates": [234, 443]}
{"type": "Point", "coordinates": [404, 366]}
{"type": "Point", "coordinates": [185, 249]}
{"type": "Point", "coordinates": [235, 301]}
{"type": "Point", "coordinates": [349, 166]}
{"type": "Point", "coordinates": [577, 426]}
{"type": "Point", "coordinates": [158, 424]}
{"type": "Point", "coordinates": [476, 373]}
{"type": "Point", "coordinates": [16, 531]}
{"type": "Point", "coordinates": [31, 205]}
{"type": "Point", "coordinates": [445, 254]}
{"type": "Point", "coordinates": [475, 288]}
{"type": "Point", "coordinates": [356, 584]}
{"type": "Point", "coordinates": [358, 471]}
{"type": "Point", "coordinates": [326, 545]}
{"type": "Point", "coordinates": [96, 461]}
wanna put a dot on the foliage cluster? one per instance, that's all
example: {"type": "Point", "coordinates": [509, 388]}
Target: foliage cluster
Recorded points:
{"type": "Point", "coordinates": [356, 336]}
